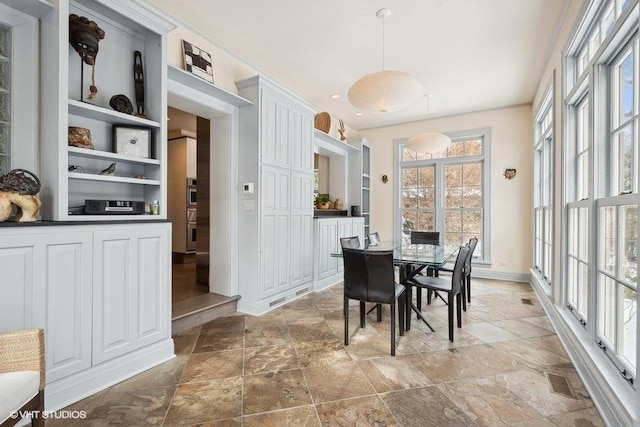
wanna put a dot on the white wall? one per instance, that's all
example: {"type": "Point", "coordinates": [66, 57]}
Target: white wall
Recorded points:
{"type": "Point", "coordinates": [511, 142]}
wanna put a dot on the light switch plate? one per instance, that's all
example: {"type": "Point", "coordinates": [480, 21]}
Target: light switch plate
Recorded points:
{"type": "Point", "coordinates": [247, 188]}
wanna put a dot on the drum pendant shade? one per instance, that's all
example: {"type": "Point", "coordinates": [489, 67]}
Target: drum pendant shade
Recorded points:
{"type": "Point", "coordinates": [385, 91]}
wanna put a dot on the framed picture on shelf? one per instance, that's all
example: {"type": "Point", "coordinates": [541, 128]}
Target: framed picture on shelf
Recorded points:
{"type": "Point", "coordinates": [197, 61]}
{"type": "Point", "coordinates": [132, 141]}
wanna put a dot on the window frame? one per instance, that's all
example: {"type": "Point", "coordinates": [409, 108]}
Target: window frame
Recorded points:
{"type": "Point", "coordinates": [439, 163]}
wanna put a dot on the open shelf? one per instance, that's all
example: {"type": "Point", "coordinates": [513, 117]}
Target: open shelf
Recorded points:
{"type": "Point", "coordinates": [111, 178]}
{"type": "Point", "coordinates": [90, 111]}
{"type": "Point", "coordinates": [105, 155]}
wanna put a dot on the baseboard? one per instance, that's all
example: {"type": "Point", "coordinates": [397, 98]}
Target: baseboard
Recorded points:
{"type": "Point", "coordinates": [200, 317]}
{"type": "Point", "coordinates": [500, 275]}
{"type": "Point", "coordinates": [615, 399]}
{"type": "Point", "coordinates": [75, 387]}
{"type": "Point", "coordinates": [259, 307]}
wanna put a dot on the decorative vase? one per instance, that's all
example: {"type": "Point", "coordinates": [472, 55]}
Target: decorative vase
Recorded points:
{"type": "Point", "coordinates": [338, 204]}
{"type": "Point", "coordinates": [323, 205]}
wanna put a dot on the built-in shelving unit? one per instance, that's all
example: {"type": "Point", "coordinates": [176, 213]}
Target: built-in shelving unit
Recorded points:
{"type": "Point", "coordinates": [71, 175]}
{"type": "Point", "coordinates": [360, 179]}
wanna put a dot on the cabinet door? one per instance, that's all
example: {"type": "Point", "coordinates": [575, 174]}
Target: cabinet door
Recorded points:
{"type": "Point", "coordinates": [50, 277]}
{"type": "Point", "coordinates": [67, 269]}
{"type": "Point", "coordinates": [301, 228]}
{"type": "Point", "coordinates": [301, 141]}
{"type": "Point", "coordinates": [19, 277]}
{"type": "Point", "coordinates": [130, 294]}
{"type": "Point", "coordinates": [327, 244]}
{"type": "Point", "coordinates": [275, 229]}
{"type": "Point", "coordinates": [274, 145]}
{"type": "Point", "coordinates": [345, 229]}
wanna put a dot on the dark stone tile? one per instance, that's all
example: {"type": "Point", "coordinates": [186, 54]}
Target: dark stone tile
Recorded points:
{"type": "Point", "coordinates": [361, 411]}
{"type": "Point", "coordinates": [210, 366]}
{"type": "Point", "coordinates": [425, 407]}
{"type": "Point", "coordinates": [315, 331]}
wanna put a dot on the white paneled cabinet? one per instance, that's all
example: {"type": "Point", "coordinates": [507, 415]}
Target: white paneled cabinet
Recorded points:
{"type": "Point", "coordinates": [129, 308]}
{"type": "Point", "coordinates": [276, 218]}
{"type": "Point", "coordinates": [101, 293]}
{"type": "Point", "coordinates": [329, 270]}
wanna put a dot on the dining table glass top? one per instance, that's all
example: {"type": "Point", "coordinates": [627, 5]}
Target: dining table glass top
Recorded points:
{"type": "Point", "coordinates": [407, 253]}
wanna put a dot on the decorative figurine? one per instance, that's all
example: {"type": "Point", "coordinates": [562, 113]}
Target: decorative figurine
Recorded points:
{"type": "Point", "coordinates": [341, 130]}
{"type": "Point", "coordinates": [20, 190]}
{"type": "Point", "coordinates": [121, 104]}
{"type": "Point", "coordinates": [84, 36]}
{"type": "Point", "coordinates": [80, 137]}
{"type": "Point", "coordinates": [138, 80]}
{"type": "Point", "coordinates": [76, 168]}
{"type": "Point", "coordinates": [110, 170]}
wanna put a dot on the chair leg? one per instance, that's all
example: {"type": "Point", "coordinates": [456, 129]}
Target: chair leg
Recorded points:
{"type": "Point", "coordinates": [401, 314]}
{"type": "Point", "coordinates": [379, 312]}
{"type": "Point", "coordinates": [469, 288]}
{"type": "Point", "coordinates": [39, 422]}
{"type": "Point", "coordinates": [459, 299]}
{"type": "Point", "coordinates": [362, 312]}
{"type": "Point", "coordinates": [346, 321]}
{"type": "Point", "coordinates": [463, 293]}
{"type": "Point", "coordinates": [419, 299]}
{"type": "Point", "coordinates": [393, 328]}
{"type": "Point", "coordinates": [450, 310]}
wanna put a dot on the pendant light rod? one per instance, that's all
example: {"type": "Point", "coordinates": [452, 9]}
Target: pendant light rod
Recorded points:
{"type": "Point", "coordinates": [382, 14]}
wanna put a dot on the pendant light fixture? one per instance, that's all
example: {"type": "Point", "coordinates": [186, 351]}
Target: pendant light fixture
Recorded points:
{"type": "Point", "coordinates": [428, 142]}
{"type": "Point", "coordinates": [386, 90]}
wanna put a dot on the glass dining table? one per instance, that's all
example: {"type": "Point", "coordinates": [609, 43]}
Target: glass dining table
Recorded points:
{"type": "Point", "coordinates": [411, 259]}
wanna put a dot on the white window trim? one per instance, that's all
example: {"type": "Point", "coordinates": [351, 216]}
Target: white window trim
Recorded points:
{"type": "Point", "coordinates": [485, 134]}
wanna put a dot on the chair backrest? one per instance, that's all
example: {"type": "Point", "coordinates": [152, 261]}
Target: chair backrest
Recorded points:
{"type": "Point", "coordinates": [458, 269]}
{"type": "Point", "coordinates": [369, 276]}
{"type": "Point", "coordinates": [472, 247]}
{"type": "Point", "coordinates": [350, 242]}
{"type": "Point", "coordinates": [374, 239]}
{"type": "Point", "coordinates": [425, 237]}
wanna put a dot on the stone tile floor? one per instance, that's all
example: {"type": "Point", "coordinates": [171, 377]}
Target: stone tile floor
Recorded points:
{"type": "Point", "coordinates": [290, 368]}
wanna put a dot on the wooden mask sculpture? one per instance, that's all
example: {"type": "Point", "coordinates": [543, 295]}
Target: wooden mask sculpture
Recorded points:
{"type": "Point", "coordinates": [84, 36]}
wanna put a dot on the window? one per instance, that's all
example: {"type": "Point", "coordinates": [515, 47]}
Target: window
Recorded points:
{"type": "Point", "coordinates": [602, 182]}
{"type": "Point", "coordinates": [543, 193]}
{"type": "Point", "coordinates": [18, 90]}
{"type": "Point", "coordinates": [445, 192]}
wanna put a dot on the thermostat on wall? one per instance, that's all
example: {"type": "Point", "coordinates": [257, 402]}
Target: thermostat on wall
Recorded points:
{"type": "Point", "coordinates": [247, 188]}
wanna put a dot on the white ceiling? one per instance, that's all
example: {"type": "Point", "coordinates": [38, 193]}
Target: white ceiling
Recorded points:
{"type": "Point", "coordinates": [469, 54]}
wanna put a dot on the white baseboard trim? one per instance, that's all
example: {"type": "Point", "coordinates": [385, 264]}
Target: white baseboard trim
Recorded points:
{"type": "Point", "coordinates": [500, 275]}
{"type": "Point", "coordinates": [75, 387]}
{"type": "Point", "coordinates": [260, 307]}
{"type": "Point", "coordinates": [614, 398]}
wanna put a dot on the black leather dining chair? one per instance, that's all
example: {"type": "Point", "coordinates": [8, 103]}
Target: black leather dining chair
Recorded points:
{"type": "Point", "coordinates": [426, 238]}
{"type": "Point", "coordinates": [466, 284]}
{"type": "Point", "coordinates": [374, 239]}
{"type": "Point", "coordinates": [451, 287]}
{"type": "Point", "coordinates": [350, 242]}
{"type": "Point", "coordinates": [369, 277]}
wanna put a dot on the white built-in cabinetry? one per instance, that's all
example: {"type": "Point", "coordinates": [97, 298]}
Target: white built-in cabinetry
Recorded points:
{"type": "Point", "coordinates": [360, 179]}
{"type": "Point", "coordinates": [275, 170]}
{"type": "Point", "coordinates": [100, 293]}
{"type": "Point", "coordinates": [128, 27]}
{"type": "Point", "coordinates": [329, 269]}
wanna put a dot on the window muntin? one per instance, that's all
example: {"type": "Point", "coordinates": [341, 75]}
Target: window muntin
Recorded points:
{"type": "Point", "coordinates": [582, 150]}
{"type": "Point", "coordinates": [543, 195]}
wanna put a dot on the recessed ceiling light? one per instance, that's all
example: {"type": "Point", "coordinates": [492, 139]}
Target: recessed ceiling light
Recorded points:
{"type": "Point", "coordinates": [335, 96]}
{"type": "Point", "coordinates": [358, 114]}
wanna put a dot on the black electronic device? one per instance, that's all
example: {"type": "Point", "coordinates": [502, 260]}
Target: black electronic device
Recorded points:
{"type": "Point", "coordinates": [113, 207]}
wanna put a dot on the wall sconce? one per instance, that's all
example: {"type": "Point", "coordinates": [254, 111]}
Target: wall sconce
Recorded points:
{"type": "Point", "coordinates": [509, 173]}
{"type": "Point", "coordinates": [385, 179]}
